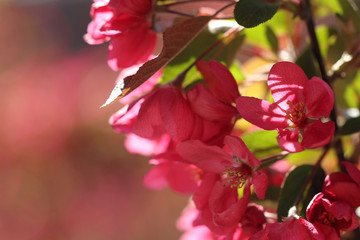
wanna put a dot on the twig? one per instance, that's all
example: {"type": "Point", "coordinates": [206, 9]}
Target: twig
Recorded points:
{"type": "Point", "coordinates": [311, 175]}
{"type": "Point", "coordinates": [308, 18]}
{"type": "Point", "coordinates": [180, 78]}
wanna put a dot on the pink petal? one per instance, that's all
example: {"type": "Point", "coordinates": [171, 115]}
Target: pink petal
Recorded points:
{"type": "Point", "coordinates": [181, 177]}
{"type": "Point", "coordinates": [202, 193]}
{"type": "Point", "coordinates": [286, 82]}
{"type": "Point", "coordinates": [289, 140]}
{"type": "Point", "coordinates": [124, 119]}
{"type": "Point", "coordinates": [319, 98]}
{"type": "Point", "coordinates": [345, 191]}
{"type": "Point", "coordinates": [131, 47]}
{"type": "Point", "coordinates": [226, 206]}
{"type": "Point", "coordinates": [313, 231]}
{"type": "Point", "coordinates": [146, 147]}
{"type": "Point", "coordinates": [354, 222]}
{"type": "Point", "coordinates": [353, 172]}
{"type": "Point", "coordinates": [240, 150]}
{"type": "Point", "coordinates": [204, 104]}
{"type": "Point", "coordinates": [318, 134]}
{"type": "Point", "coordinates": [148, 123]}
{"type": "Point", "coordinates": [176, 114]}
{"type": "Point", "coordinates": [260, 183]}
{"type": "Point", "coordinates": [156, 178]}
{"type": "Point", "coordinates": [220, 81]}
{"type": "Point", "coordinates": [261, 113]}
{"type": "Point", "coordinates": [339, 209]}
{"type": "Point", "coordinates": [101, 14]}
{"type": "Point", "coordinates": [209, 158]}
{"type": "Point", "coordinates": [139, 8]}
{"type": "Point", "coordinates": [213, 133]}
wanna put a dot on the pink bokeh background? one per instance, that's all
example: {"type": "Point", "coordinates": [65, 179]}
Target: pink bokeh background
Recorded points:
{"type": "Point", "coordinates": [64, 173]}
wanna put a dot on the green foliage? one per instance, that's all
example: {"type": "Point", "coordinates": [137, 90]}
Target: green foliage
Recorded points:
{"type": "Point", "coordinates": [262, 143]}
{"type": "Point", "coordinates": [250, 13]}
{"type": "Point", "coordinates": [223, 52]}
{"type": "Point", "coordinates": [347, 90]}
{"type": "Point", "coordinates": [293, 186]}
{"type": "Point", "coordinates": [307, 63]}
{"type": "Point", "coordinates": [351, 126]}
{"type": "Point", "coordinates": [272, 39]}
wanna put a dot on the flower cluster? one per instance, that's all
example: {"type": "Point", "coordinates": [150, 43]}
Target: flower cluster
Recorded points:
{"type": "Point", "coordinates": [189, 131]}
{"type": "Point", "coordinates": [126, 25]}
{"type": "Point", "coordinates": [190, 136]}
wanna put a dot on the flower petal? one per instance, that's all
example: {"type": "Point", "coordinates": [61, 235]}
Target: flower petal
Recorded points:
{"type": "Point", "coordinates": [209, 158]}
{"type": "Point", "coordinates": [289, 140]}
{"type": "Point", "coordinates": [148, 123]}
{"type": "Point", "coordinates": [220, 81]}
{"type": "Point", "coordinates": [261, 113]}
{"type": "Point", "coordinates": [202, 193]}
{"type": "Point", "coordinates": [240, 150]}
{"type": "Point", "coordinates": [286, 82]}
{"type": "Point", "coordinates": [319, 98]}
{"type": "Point", "coordinates": [260, 183]}
{"type": "Point", "coordinates": [176, 114]}
{"type": "Point", "coordinates": [353, 172]}
{"type": "Point", "coordinates": [145, 146]}
{"type": "Point", "coordinates": [226, 206]}
{"type": "Point", "coordinates": [155, 179]}
{"type": "Point", "coordinates": [207, 106]}
{"type": "Point", "coordinates": [132, 47]}
{"type": "Point", "coordinates": [318, 134]}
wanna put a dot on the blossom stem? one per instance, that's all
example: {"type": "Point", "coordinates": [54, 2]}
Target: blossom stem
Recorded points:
{"type": "Point", "coordinates": [311, 176]}
{"type": "Point", "coordinates": [272, 159]}
{"type": "Point", "coordinates": [308, 18]}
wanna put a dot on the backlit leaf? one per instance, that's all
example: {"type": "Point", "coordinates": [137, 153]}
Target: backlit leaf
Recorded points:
{"type": "Point", "coordinates": [250, 13]}
{"type": "Point", "coordinates": [292, 188]}
{"type": "Point", "coordinates": [175, 39]}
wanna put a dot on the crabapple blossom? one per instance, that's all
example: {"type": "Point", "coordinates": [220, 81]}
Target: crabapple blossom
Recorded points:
{"type": "Point", "coordinates": [291, 229]}
{"type": "Point", "coordinates": [125, 24]}
{"type": "Point", "coordinates": [170, 170]}
{"type": "Point", "coordinates": [342, 186]}
{"type": "Point", "coordinates": [298, 111]}
{"type": "Point", "coordinates": [331, 217]}
{"type": "Point", "coordinates": [225, 173]}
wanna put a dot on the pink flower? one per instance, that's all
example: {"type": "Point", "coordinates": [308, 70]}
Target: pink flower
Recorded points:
{"type": "Point", "coordinates": [298, 111]}
{"type": "Point", "coordinates": [331, 217]}
{"type": "Point", "coordinates": [342, 186]}
{"type": "Point", "coordinates": [194, 115]}
{"type": "Point", "coordinates": [292, 229]}
{"type": "Point", "coordinates": [124, 23]}
{"type": "Point", "coordinates": [251, 223]}
{"type": "Point", "coordinates": [170, 170]}
{"type": "Point", "coordinates": [217, 195]}
{"type": "Point", "coordinates": [219, 80]}
{"type": "Point", "coordinates": [123, 121]}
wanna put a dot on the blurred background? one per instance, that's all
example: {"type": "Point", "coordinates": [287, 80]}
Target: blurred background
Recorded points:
{"type": "Point", "coordinates": [64, 173]}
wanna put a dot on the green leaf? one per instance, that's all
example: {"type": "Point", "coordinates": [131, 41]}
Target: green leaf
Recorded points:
{"type": "Point", "coordinates": [307, 63]}
{"type": "Point", "coordinates": [175, 39]}
{"type": "Point", "coordinates": [351, 126]}
{"type": "Point", "coordinates": [250, 13]}
{"type": "Point", "coordinates": [292, 188]}
{"type": "Point", "coordinates": [223, 52]}
{"type": "Point", "coordinates": [262, 143]}
{"type": "Point", "coordinates": [272, 39]}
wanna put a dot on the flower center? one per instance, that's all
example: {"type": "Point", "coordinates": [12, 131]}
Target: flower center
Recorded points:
{"type": "Point", "coordinates": [296, 113]}
{"type": "Point", "coordinates": [327, 219]}
{"type": "Point", "coordinates": [236, 177]}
